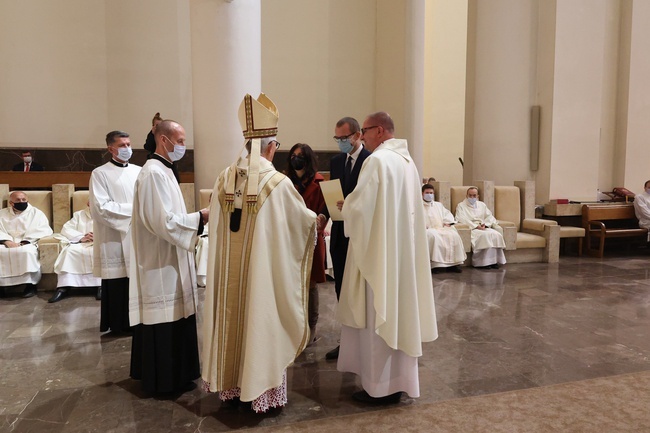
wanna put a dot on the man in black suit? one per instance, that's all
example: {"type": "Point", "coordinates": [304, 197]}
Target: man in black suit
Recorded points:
{"type": "Point", "coordinates": [27, 164]}
{"type": "Point", "coordinates": [346, 167]}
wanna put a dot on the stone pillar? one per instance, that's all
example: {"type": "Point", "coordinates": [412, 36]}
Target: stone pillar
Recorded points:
{"type": "Point", "coordinates": [486, 192]}
{"type": "Point", "coordinates": [400, 70]}
{"type": "Point", "coordinates": [443, 193]}
{"type": "Point", "coordinates": [4, 195]}
{"type": "Point", "coordinates": [226, 64]}
{"type": "Point", "coordinates": [527, 197]}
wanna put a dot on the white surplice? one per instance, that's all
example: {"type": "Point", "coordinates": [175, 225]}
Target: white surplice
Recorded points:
{"type": "Point", "coordinates": [642, 210]}
{"type": "Point", "coordinates": [20, 265]}
{"type": "Point", "coordinates": [162, 284]}
{"type": "Point", "coordinates": [487, 245]}
{"type": "Point", "coordinates": [111, 203]}
{"type": "Point", "coordinates": [445, 245]}
{"type": "Point", "coordinates": [255, 310]}
{"type": "Point", "coordinates": [74, 265]}
{"type": "Point", "coordinates": [388, 256]}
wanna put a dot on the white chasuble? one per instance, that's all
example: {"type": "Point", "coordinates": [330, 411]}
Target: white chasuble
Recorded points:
{"type": "Point", "coordinates": [255, 310]}
{"type": "Point", "coordinates": [29, 225]}
{"type": "Point", "coordinates": [388, 249]}
{"type": "Point", "coordinates": [162, 284]}
{"type": "Point", "coordinates": [445, 245]}
{"type": "Point", "coordinates": [476, 215]}
{"type": "Point", "coordinates": [111, 203]}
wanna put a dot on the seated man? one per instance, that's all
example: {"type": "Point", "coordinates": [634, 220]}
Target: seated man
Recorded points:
{"type": "Point", "coordinates": [446, 250]}
{"type": "Point", "coordinates": [487, 236]}
{"type": "Point", "coordinates": [74, 266]}
{"type": "Point", "coordinates": [21, 226]}
{"type": "Point", "coordinates": [642, 207]}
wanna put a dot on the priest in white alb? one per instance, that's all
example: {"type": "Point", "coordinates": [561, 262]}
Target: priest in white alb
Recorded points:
{"type": "Point", "coordinates": [446, 250]}
{"type": "Point", "coordinates": [487, 236]}
{"type": "Point", "coordinates": [162, 292]}
{"type": "Point", "coordinates": [262, 239]}
{"type": "Point", "coordinates": [386, 306]}
{"type": "Point", "coordinates": [74, 265]}
{"type": "Point", "coordinates": [21, 226]}
{"type": "Point", "coordinates": [642, 207]}
{"type": "Point", "coordinates": [111, 203]}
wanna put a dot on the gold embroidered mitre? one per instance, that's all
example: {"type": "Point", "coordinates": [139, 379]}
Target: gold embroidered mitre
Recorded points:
{"type": "Point", "coordinates": [258, 118]}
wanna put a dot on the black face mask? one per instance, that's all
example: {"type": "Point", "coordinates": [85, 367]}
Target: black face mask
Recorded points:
{"type": "Point", "coordinates": [21, 206]}
{"type": "Point", "coordinates": [298, 162]}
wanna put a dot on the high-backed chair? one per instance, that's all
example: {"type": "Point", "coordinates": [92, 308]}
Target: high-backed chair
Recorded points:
{"type": "Point", "coordinates": [48, 247]}
{"type": "Point", "coordinates": [535, 239]}
{"type": "Point", "coordinates": [79, 201]}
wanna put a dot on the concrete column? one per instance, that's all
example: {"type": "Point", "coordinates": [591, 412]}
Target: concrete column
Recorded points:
{"type": "Point", "coordinates": [226, 64]}
{"type": "Point", "coordinates": [400, 70]}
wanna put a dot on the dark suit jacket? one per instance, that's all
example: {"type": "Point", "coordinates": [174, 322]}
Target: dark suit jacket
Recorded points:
{"type": "Point", "coordinates": [338, 241]}
{"type": "Point", "coordinates": [35, 166]}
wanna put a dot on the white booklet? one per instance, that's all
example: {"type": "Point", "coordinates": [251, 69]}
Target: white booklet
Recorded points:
{"type": "Point", "coordinates": [332, 193]}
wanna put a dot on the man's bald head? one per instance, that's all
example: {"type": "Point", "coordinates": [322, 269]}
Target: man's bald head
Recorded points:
{"type": "Point", "coordinates": [383, 119]}
{"type": "Point", "coordinates": [166, 128]}
{"type": "Point", "coordinates": [17, 197]}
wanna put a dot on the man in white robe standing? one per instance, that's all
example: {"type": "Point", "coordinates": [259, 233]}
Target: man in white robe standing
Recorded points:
{"type": "Point", "coordinates": [111, 203]}
{"type": "Point", "coordinates": [74, 266]}
{"type": "Point", "coordinates": [642, 207]}
{"type": "Point", "coordinates": [262, 239]}
{"type": "Point", "coordinates": [487, 236]}
{"type": "Point", "coordinates": [446, 250]}
{"type": "Point", "coordinates": [21, 226]}
{"type": "Point", "coordinates": [162, 294]}
{"type": "Point", "coordinates": [386, 306]}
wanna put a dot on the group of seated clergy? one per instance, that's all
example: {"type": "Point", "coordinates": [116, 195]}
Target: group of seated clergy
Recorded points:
{"type": "Point", "coordinates": [446, 250]}
{"type": "Point", "coordinates": [21, 227]}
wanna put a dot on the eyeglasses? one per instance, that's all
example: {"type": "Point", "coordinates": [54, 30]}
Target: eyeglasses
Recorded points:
{"type": "Point", "coordinates": [343, 137]}
{"type": "Point", "coordinates": [364, 130]}
{"type": "Point", "coordinates": [277, 144]}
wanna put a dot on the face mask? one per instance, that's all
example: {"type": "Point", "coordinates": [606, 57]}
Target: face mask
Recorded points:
{"type": "Point", "coordinates": [647, 191]}
{"type": "Point", "coordinates": [27, 159]}
{"type": "Point", "coordinates": [472, 200]}
{"type": "Point", "coordinates": [177, 154]}
{"type": "Point", "coordinates": [345, 146]}
{"type": "Point", "coordinates": [21, 206]}
{"type": "Point", "coordinates": [124, 153]}
{"type": "Point", "coordinates": [298, 162]}
{"type": "Point", "coordinates": [428, 197]}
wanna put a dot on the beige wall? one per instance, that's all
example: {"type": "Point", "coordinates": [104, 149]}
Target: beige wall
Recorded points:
{"type": "Point", "coordinates": [444, 89]}
{"type": "Point", "coordinates": [74, 69]}
{"type": "Point", "coordinates": [318, 65]}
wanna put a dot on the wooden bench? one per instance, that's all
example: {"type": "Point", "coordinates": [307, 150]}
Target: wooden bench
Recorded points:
{"type": "Point", "coordinates": [609, 221]}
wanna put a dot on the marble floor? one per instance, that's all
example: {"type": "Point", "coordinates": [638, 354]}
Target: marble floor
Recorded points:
{"type": "Point", "coordinates": [527, 348]}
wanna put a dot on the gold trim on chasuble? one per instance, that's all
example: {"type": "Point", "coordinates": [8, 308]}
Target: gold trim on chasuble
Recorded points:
{"type": "Point", "coordinates": [230, 311]}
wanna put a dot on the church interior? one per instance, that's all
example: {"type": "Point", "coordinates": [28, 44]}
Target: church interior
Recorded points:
{"type": "Point", "coordinates": [541, 104]}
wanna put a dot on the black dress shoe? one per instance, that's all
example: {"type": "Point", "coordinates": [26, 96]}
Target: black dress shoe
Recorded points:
{"type": "Point", "coordinates": [2, 292]}
{"type": "Point", "coordinates": [455, 269]}
{"type": "Point", "coordinates": [364, 397]}
{"type": "Point", "coordinates": [494, 266]}
{"type": "Point", "coordinates": [437, 270]}
{"type": "Point", "coordinates": [98, 295]}
{"type": "Point", "coordinates": [29, 291]}
{"type": "Point", "coordinates": [60, 294]}
{"type": "Point", "coordinates": [333, 354]}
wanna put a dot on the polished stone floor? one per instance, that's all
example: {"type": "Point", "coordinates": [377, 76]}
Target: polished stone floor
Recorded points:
{"type": "Point", "coordinates": [529, 347]}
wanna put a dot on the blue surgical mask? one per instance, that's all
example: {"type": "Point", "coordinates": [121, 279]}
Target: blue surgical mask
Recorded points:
{"type": "Point", "coordinates": [124, 153]}
{"type": "Point", "coordinates": [428, 197]}
{"type": "Point", "coordinates": [345, 145]}
{"type": "Point", "coordinates": [472, 200]}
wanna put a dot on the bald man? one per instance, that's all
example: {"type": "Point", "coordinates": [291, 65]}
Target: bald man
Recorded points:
{"type": "Point", "coordinates": [21, 226]}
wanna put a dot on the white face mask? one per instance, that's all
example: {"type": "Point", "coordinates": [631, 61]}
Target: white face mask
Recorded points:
{"type": "Point", "coordinates": [177, 153]}
{"type": "Point", "coordinates": [647, 191]}
{"type": "Point", "coordinates": [27, 159]}
{"type": "Point", "coordinates": [124, 153]}
{"type": "Point", "coordinates": [428, 197]}
{"type": "Point", "coordinates": [472, 200]}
